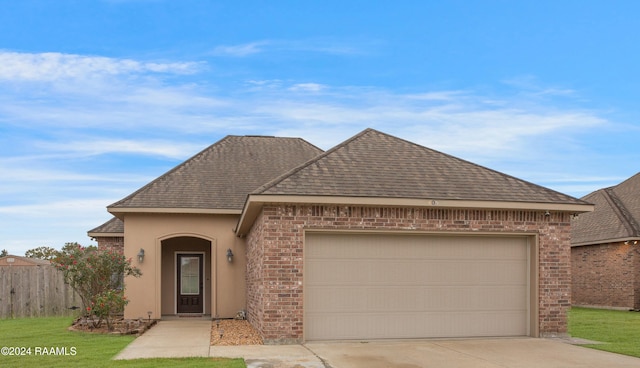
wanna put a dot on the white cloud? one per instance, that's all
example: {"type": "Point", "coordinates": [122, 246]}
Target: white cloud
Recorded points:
{"type": "Point", "coordinates": [241, 50]}
{"type": "Point", "coordinates": [23, 171]}
{"type": "Point", "coordinates": [320, 46]}
{"type": "Point", "coordinates": [50, 209]}
{"type": "Point", "coordinates": [452, 121]}
{"type": "Point", "coordinates": [94, 147]}
{"type": "Point", "coordinates": [50, 223]}
{"type": "Point", "coordinates": [308, 87]}
{"type": "Point", "coordinates": [437, 96]}
{"type": "Point", "coordinates": [531, 87]}
{"type": "Point", "coordinates": [85, 109]}
{"type": "Point", "coordinates": [53, 66]}
{"type": "Point", "coordinates": [457, 121]}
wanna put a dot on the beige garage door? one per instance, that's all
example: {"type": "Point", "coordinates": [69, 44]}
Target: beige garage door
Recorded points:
{"type": "Point", "coordinates": [375, 286]}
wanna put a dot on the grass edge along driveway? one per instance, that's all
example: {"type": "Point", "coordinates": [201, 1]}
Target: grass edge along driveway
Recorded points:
{"type": "Point", "coordinates": [618, 331]}
{"type": "Point", "coordinates": [52, 345]}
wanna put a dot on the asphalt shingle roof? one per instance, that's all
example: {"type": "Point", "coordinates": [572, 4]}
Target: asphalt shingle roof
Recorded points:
{"type": "Point", "coordinates": [221, 176]}
{"type": "Point", "coordinates": [616, 215]}
{"type": "Point", "coordinates": [114, 225]}
{"type": "Point", "coordinates": [374, 164]}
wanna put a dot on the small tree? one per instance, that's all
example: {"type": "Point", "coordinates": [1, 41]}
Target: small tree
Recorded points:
{"type": "Point", "coordinates": [108, 304]}
{"type": "Point", "coordinates": [4, 253]}
{"type": "Point", "coordinates": [41, 253]}
{"type": "Point", "coordinates": [97, 275]}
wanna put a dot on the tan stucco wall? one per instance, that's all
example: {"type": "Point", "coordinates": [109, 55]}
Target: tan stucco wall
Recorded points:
{"type": "Point", "coordinates": [225, 295]}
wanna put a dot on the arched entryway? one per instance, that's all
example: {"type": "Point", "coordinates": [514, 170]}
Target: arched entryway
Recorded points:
{"type": "Point", "coordinates": [186, 276]}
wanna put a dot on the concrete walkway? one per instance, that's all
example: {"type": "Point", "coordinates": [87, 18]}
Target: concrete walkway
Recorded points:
{"type": "Point", "coordinates": [171, 339]}
{"type": "Point", "coordinates": [191, 338]}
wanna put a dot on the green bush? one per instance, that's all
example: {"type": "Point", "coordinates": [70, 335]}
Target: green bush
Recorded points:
{"type": "Point", "coordinates": [97, 275]}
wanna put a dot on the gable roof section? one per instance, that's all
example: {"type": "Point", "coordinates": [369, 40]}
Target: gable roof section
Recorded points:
{"type": "Point", "coordinates": [112, 228]}
{"type": "Point", "coordinates": [379, 169]}
{"type": "Point", "coordinates": [374, 164]}
{"type": "Point", "coordinates": [616, 217]}
{"type": "Point", "coordinates": [218, 179]}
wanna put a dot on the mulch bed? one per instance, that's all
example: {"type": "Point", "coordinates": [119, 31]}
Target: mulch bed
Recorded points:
{"type": "Point", "coordinates": [227, 332]}
{"type": "Point", "coordinates": [120, 326]}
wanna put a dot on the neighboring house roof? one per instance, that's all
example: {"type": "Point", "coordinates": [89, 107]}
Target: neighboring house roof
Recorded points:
{"type": "Point", "coordinates": [113, 227]}
{"type": "Point", "coordinates": [379, 166]}
{"type": "Point", "coordinates": [218, 179]}
{"type": "Point", "coordinates": [22, 261]}
{"type": "Point", "coordinates": [616, 216]}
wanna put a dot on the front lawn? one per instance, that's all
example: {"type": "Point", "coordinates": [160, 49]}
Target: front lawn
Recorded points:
{"type": "Point", "coordinates": [45, 342]}
{"type": "Point", "coordinates": [619, 331]}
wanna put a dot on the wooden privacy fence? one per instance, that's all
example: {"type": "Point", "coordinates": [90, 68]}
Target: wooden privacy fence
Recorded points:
{"type": "Point", "coordinates": [35, 291]}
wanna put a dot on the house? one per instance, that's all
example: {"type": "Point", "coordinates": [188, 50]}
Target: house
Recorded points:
{"type": "Point", "coordinates": [11, 260]}
{"type": "Point", "coordinates": [605, 248]}
{"type": "Point", "coordinates": [375, 238]}
{"type": "Point", "coordinates": [109, 235]}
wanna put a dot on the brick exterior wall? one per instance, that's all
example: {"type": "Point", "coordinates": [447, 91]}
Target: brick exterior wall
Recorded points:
{"type": "Point", "coordinates": [275, 255]}
{"type": "Point", "coordinates": [606, 275]}
{"type": "Point", "coordinates": [111, 242]}
{"type": "Point", "coordinates": [256, 285]}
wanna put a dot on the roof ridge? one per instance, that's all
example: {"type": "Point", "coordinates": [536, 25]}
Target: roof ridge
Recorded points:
{"type": "Point", "coordinates": [202, 173]}
{"type": "Point", "coordinates": [622, 212]}
{"type": "Point", "coordinates": [368, 131]}
{"type": "Point", "coordinates": [626, 180]}
{"type": "Point", "coordinates": [548, 190]}
{"type": "Point", "coordinates": [174, 169]}
{"type": "Point", "coordinates": [296, 169]}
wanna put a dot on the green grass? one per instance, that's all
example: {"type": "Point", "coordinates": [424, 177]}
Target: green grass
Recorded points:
{"type": "Point", "coordinates": [92, 350]}
{"type": "Point", "coordinates": [619, 331]}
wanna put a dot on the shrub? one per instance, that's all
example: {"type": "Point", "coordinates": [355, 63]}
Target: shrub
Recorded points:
{"type": "Point", "coordinates": [109, 304]}
{"type": "Point", "coordinates": [97, 275]}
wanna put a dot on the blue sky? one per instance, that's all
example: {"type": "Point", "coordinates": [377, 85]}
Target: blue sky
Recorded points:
{"type": "Point", "coordinates": [97, 98]}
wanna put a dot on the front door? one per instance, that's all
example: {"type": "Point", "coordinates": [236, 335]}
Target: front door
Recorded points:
{"type": "Point", "coordinates": [190, 283]}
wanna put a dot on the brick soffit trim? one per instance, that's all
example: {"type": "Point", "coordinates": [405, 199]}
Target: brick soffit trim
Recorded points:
{"type": "Point", "coordinates": [254, 205]}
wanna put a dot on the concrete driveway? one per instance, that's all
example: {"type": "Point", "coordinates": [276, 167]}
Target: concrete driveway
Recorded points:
{"type": "Point", "coordinates": [475, 353]}
{"type": "Point", "coordinates": [192, 339]}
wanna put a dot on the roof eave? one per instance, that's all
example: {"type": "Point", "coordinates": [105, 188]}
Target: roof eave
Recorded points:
{"type": "Point", "coordinates": [104, 235]}
{"type": "Point", "coordinates": [255, 201]}
{"type": "Point", "coordinates": [607, 241]}
{"type": "Point", "coordinates": [119, 212]}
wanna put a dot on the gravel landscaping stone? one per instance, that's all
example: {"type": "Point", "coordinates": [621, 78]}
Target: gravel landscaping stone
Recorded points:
{"type": "Point", "coordinates": [227, 332]}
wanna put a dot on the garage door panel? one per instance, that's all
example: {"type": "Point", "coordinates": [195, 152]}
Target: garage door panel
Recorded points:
{"type": "Point", "coordinates": [410, 325]}
{"type": "Point", "coordinates": [340, 299]}
{"type": "Point", "coordinates": [384, 286]}
{"type": "Point", "coordinates": [403, 299]}
{"type": "Point", "coordinates": [411, 272]}
{"type": "Point", "coordinates": [386, 246]}
{"type": "Point", "coordinates": [476, 298]}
